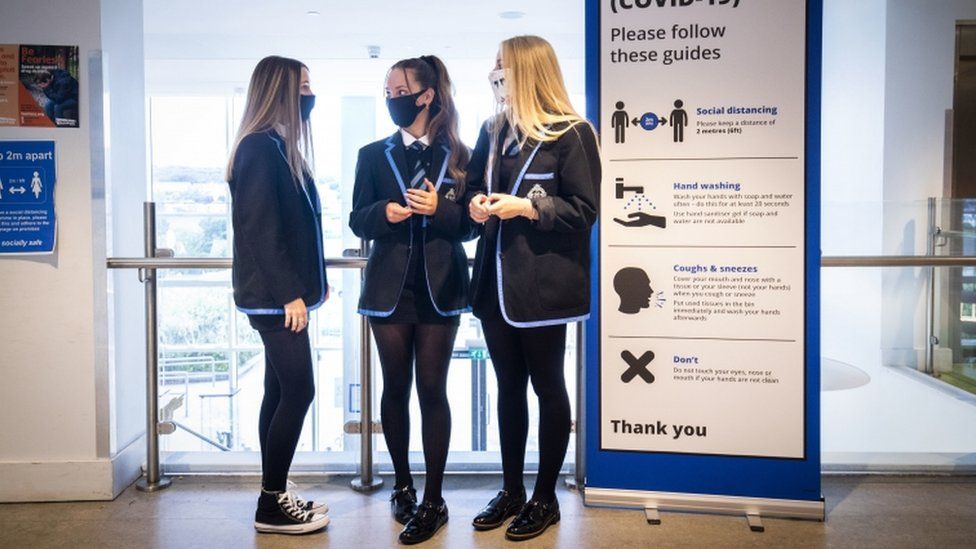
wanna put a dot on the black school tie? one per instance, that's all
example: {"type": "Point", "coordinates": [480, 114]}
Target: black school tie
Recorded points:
{"type": "Point", "coordinates": [418, 167]}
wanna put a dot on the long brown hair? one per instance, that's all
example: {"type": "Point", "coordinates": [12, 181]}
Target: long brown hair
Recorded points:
{"type": "Point", "coordinates": [273, 103]}
{"type": "Point", "coordinates": [429, 71]}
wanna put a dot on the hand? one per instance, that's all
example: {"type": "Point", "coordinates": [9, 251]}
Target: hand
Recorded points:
{"type": "Point", "coordinates": [296, 315]}
{"type": "Point", "coordinates": [506, 206]}
{"type": "Point", "coordinates": [328, 292]}
{"type": "Point", "coordinates": [396, 213]}
{"type": "Point", "coordinates": [641, 219]}
{"type": "Point", "coordinates": [478, 208]}
{"type": "Point", "coordinates": [423, 202]}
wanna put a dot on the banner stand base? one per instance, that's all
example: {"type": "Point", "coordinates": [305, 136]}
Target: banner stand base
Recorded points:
{"type": "Point", "coordinates": [755, 522]}
{"type": "Point", "coordinates": [751, 508]}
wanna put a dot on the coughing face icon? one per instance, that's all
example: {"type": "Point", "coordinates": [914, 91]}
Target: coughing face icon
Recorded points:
{"type": "Point", "coordinates": [634, 288]}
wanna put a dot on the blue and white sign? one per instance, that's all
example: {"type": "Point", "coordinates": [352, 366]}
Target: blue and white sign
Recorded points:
{"type": "Point", "coordinates": [703, 364]}
{"type": "Point", "coordinates": [28, 224]}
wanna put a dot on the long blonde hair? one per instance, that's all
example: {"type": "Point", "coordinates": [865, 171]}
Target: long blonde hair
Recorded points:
{"type": "Point", "coordinates": [538, 104]}
{"type": "Point", "coordinates": [273, 103]}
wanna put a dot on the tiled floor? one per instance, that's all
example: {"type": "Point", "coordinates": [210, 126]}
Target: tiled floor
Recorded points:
{"type": "Point", "coordinates": [216, 512]}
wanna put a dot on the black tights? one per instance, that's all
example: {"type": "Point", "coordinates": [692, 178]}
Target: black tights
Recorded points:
{"type": "Point", "coordinates": [517, 355]}
{"type": "Point", "coordinates": [432, 344]}
{"type": "Point", "coordinates": [289, 388]}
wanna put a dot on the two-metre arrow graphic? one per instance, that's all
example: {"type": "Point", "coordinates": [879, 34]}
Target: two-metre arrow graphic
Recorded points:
{"type": "Point", "coordinates": [15, 190]}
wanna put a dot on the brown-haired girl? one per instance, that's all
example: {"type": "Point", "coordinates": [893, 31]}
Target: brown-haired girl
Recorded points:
{"type": "Point", "coordinates": [279, 272]}
{"type": "Point", "coordinates": [406, 200]}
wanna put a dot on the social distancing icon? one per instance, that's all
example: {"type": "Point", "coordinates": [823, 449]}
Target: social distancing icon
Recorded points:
{"type": "Point", "coordinates": [621, 120]}
{"type": "Point", "coordinates": [36, 185]}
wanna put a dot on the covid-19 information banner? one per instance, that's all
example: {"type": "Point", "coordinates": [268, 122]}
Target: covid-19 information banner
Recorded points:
{"type": "Point", "coordinates": [705, 232]}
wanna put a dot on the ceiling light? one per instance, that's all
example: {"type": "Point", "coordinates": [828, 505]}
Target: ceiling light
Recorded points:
{"type": "Point", "coordinates": [512, 14]}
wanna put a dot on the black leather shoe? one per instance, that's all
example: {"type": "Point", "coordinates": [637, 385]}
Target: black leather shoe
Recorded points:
{"type": "Point", "coordinates": [533, 520]}
{"type": "Point", "coordinates": [403, 502]}
{"type": "Point", "coordinates": [425, 523]}
{"type": "Point", "coordinates": [502, 506]}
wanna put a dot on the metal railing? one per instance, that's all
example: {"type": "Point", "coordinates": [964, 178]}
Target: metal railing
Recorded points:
{"type": "Point", "coordinates": [153, 480]}
{"type": "Point", "coordinates": [156, 259]}
{"type": "Point", "coordinates": [897, 261]}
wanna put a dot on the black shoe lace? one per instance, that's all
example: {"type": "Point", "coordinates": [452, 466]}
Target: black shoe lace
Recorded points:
{"type": "Point", "coordinates": [286, 501]}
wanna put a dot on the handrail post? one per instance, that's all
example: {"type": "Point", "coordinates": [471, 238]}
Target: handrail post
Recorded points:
{"type": "Point", "coordinates": [366, 482]}
{"type": "Point", "coordinates": [580, 465]}
{"type": "Point", "coordinates": [930, 338]}
{"type": "Point", "coordinates": [153, 480]}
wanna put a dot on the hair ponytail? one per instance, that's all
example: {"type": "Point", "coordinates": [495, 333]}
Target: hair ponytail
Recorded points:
{"type": "Point", "coordinates": [430, 72]}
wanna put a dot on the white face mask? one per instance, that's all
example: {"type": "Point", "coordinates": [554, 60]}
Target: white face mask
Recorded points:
{"type": "Point", "coordinates": [498, 79]}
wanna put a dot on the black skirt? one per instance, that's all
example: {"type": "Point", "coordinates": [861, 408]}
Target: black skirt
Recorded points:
{"type": "Point", "coordinates": [267, 323]}
{"type": "Point", "coordinates": [415, 305]}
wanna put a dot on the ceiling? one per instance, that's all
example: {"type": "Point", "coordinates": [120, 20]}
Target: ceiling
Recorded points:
{"type": "Point", "coordinates": [250, 29]}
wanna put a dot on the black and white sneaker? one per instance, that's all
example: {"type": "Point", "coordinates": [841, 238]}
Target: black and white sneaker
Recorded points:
{"type": "Point", "coordinates": [318, 507]}
{"type": "Point", "coordinates": [314, 506]}
{"type": "Point", "coordinates": [279, 513]}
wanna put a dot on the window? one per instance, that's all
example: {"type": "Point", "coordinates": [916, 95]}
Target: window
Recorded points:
{"type": "Point", "coordinates": [211, 358]}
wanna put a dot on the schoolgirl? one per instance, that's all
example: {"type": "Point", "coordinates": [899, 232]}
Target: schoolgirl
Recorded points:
{"type": "Point", "coordinates": [407, 201]}
{"type": "Point", "coordinates": [279, 272]}
{"type": "Point", "coordinates": [533, 184]}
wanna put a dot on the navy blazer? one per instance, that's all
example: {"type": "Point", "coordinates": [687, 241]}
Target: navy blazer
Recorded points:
{"type": "Point", "coordinates": [382, 177]}
{"type": "Point", "coordinates": [543, 266]}
{"type": "Point", "coordinates": [277, 230]}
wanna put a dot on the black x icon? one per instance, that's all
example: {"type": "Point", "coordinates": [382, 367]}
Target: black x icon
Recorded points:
{"type": "Point", "coordinates": [637, 366]}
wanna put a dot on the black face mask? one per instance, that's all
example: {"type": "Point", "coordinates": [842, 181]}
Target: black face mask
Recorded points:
{"type": "Point", "coordinates": [305, 104]}
{"type": "Point", "coordinates": [404, 109]}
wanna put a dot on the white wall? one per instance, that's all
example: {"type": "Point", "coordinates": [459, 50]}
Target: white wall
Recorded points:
{"type": "Point", "coordinates": [55, 404]}
{"type": "Point", "coordinates": [122, 43]}
{"type": "Point", "coordinates": [47, 400]}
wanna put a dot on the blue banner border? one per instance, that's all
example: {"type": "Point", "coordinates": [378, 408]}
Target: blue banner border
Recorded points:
{"type": "Point", "coordinates": [791, 479]}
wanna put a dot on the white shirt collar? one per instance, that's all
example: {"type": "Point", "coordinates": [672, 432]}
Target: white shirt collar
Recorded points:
{"type": "Point", "coordinates": [409, 139]}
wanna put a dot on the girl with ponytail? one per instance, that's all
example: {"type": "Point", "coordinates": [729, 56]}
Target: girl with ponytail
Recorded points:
{"type": "Point", "coordinates": [407, 201]}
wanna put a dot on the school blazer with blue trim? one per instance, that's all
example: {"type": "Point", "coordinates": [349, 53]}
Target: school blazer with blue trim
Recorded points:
{"type": "Point", "coordinates": [382, 177]}
{"type": "Point", "coordinates": [542, 266]}
{"type": "Point", "coordinates": [277, 231]}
